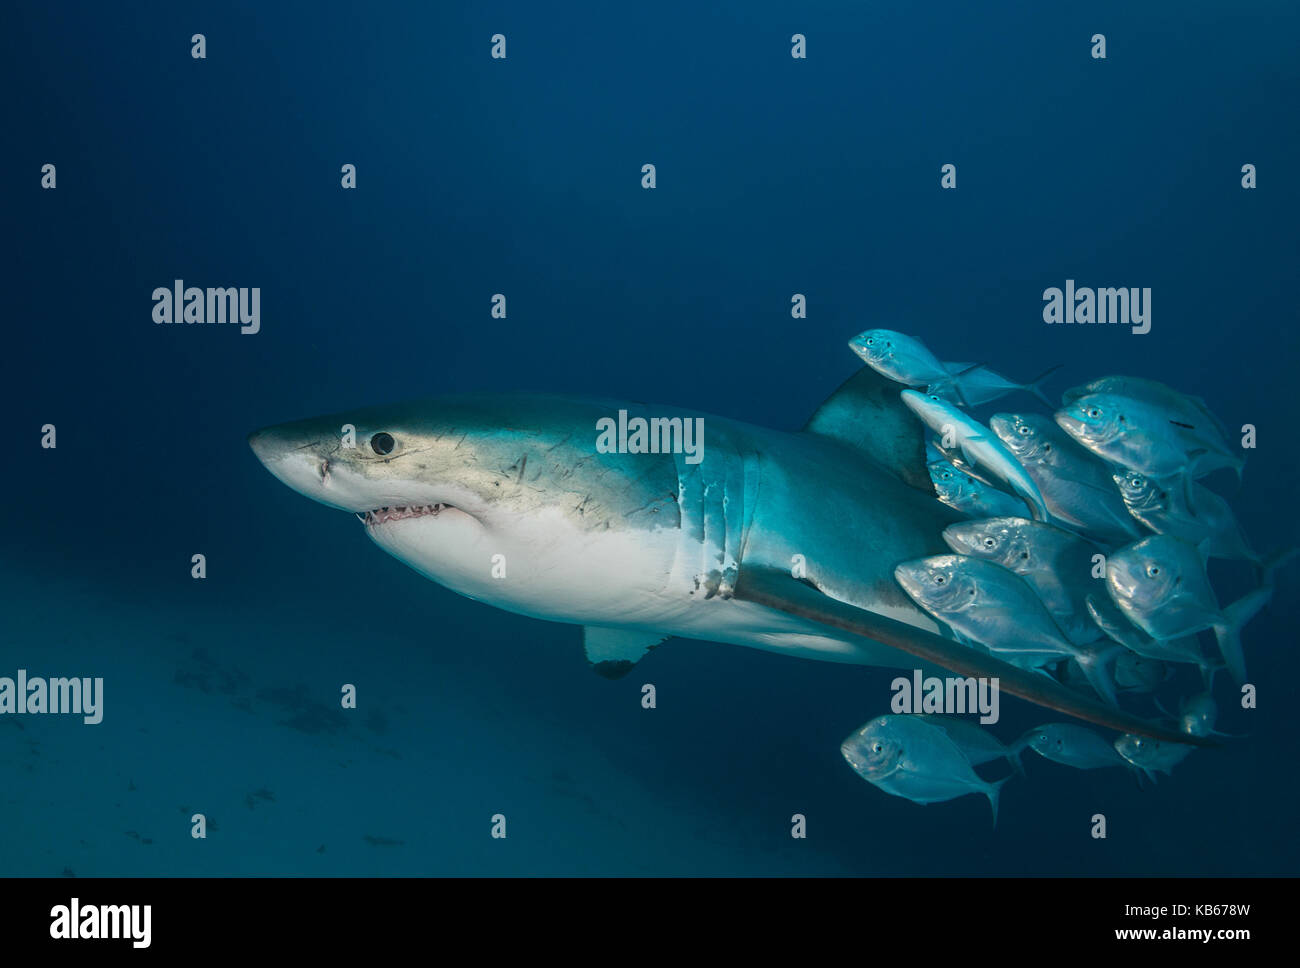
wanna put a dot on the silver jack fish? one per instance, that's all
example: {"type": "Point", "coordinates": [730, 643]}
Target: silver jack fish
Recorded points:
{"type": "Point", "coordinates": [969, 495]}
{"type": "Point", "coordinates": [908, 361]}
{"type": "Point", "coordinates": [1195, 514]}
{"type": "Point", "coordinates": [1151, 756]}
{"type": "Point", "coordinates": [996, 608]}
{"type": "Point", "coordinates": [1139, 436]}
{"type": "Point", "coordinates": [1188, 415]}
{"type": "Point", "coordinates": [1055, 563]}
{"type": "Point", "coordinates": [978, 446]}
{"type": "Point", "coordinates": [1161, 585]}
{"type": "Point", "coordinates": [1075, 485]}
{"type": "Point", "coordinates": [1070, 745]}
{"type": "Point", "coordinates": [912, 758]}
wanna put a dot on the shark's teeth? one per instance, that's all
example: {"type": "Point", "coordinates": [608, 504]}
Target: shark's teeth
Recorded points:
{"type": "Point", "coordinates": [395, 512]}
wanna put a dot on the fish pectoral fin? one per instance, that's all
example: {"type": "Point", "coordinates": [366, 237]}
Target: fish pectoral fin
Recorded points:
{"type": "Point", "coordinates": [778, 590]}
{"type": "Point", "coordinates": [613, 652]}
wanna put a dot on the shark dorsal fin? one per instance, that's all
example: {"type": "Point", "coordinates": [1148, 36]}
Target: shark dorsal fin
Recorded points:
{"type": "Point", "coordinates": [867, 414]}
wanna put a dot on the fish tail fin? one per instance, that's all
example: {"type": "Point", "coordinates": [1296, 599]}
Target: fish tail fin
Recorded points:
{"type": "Point", "coordinates": [1098, 669]}
{"type": "Point", "coordinates": [1013, 753]}
{"type": "Point", "coordinates": [993, 791]}
{"type": "Point", "coordinates": [1208, 671]}
{"type": "Point", "coordinates": [1035, 386]}
{"type": "Point", "coordinates": [955, 372]}
{"type": "Point", "coordinates": [1017, 764]}
{"type": "Point", "coordinates": [1269, 566]}
{"type": "Point", "coordinates": [1017, 747]}
{"type": "Point", "coordinates": [1229, 632]}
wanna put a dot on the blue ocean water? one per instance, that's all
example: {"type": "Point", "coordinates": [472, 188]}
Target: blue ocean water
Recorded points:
{"type": "Point", "coordinates": [522, 176]}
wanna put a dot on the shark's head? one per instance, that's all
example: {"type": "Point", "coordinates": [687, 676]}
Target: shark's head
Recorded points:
{"type": "Point", "coordinates": [395, 470]}
{"type": "Point", "coordinates": [496, 498]}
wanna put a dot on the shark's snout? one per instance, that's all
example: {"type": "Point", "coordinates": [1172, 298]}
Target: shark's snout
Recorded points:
{"type": "Point", "coordinates": [298, 460]}
{"type": "Point", "coordinates": [263, 445]}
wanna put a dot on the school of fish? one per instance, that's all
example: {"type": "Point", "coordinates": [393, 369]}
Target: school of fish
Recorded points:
{"type": "Point", "coordinates": [1084, 557]}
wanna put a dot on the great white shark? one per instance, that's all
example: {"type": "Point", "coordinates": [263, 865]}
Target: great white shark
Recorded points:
{"type": "Point", "coordinates": [775, 540]}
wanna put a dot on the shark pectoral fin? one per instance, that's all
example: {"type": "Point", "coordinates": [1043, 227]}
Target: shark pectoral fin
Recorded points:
{"type": "Point", "coordinates": [613, 652]}
{"type": "Point", "coordinates": [778, 590]}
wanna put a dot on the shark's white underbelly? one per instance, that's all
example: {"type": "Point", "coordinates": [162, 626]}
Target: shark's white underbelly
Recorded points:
{"type": "Point", "coordinates": [544, 567]}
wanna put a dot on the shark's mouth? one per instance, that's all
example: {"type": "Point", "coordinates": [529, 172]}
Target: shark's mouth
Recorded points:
{"type": "Point", "coordinates": [390, 514]}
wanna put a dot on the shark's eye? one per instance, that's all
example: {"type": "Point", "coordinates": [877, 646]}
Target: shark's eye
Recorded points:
{"type": "Point", "coordinates": [382, 443]}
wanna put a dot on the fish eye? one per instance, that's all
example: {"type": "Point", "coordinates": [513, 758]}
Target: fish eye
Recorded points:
{"type": "Point", "coordinates": [990, 542]}
{"type": "Point", "coordinates": [1024, 555]}
{"type": "Point", "coordinates": [939, 579]}
{"type": "Point", "coordinates": [871, 341]}
{"type": "Point", "coordinates": [1153, 571]}
{"type": "Point", "coordinates": [382, 443]}
{"type": "Point", "coordinates": [1023, 431]}
{"type": "Point", "coordinates": [1047, 447]}
{"type": "Point", "coordinates": [1093, 412]}
{"type": "Point", "coordinates": [876, 747]}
